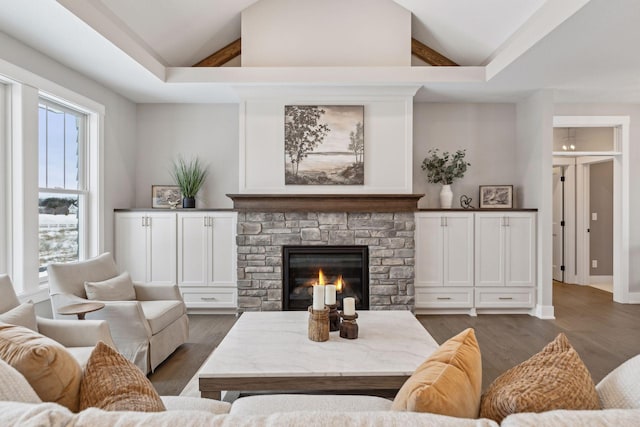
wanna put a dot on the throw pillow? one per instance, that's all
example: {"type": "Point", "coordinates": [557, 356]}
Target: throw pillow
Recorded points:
{"type": "Point", "coordinates": [48, 367]}
{"type": "Point", "coordinates": [555, 378]}
{"type": "Point", "coordinates": [22, 315]}
{"type": "Point", "coordinates": [621, 388]}
{"type": "Point", "coordinates": [119, 288]}
{"type": "Point", "coordinates": [112, 383]}
{"type": "Point", "coordinates": [448, 383]}
{"type": "Point", "coordinates": [14, 387]}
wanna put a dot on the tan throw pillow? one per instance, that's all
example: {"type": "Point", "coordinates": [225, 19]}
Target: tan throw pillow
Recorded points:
{"type": "Point", "coordinates": [22, 315]}
{"type": "Point", "coordinates": [48, 367]}
{"type": "Point", "coordinates": [448, 382]}
{"type": "Point", "coordinates": [119, 288]}
{"type": "Point", "coordinates": [112, 383]}
{"type": "Point", "coordinates": [555, 378]}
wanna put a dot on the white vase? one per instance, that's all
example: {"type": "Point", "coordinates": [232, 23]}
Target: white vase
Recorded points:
{"type": "Point", "coordinates": [446, 196]}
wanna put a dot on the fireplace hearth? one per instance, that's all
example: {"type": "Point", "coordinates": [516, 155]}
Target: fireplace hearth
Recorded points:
{"type": "Point", "coordinates": [304, 266]}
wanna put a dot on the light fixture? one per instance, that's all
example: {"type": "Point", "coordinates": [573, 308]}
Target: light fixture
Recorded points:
{"type": "Point", "coordinates": [564, 147]}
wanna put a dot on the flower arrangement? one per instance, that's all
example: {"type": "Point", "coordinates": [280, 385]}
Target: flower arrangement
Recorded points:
{"type": "Point", "coordinates": [444, 168]}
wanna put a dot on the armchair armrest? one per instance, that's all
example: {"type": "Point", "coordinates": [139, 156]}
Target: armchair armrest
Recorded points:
{"type": "Point", "coordinates": [76, 333]}
{"type": "Point", "coordinates": [149, 292]}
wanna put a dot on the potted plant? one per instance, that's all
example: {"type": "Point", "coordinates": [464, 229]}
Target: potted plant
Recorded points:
{"type": "Point", "coordinates": [189, 176]}
{"type": "Point", "coordinates": [444, 169]}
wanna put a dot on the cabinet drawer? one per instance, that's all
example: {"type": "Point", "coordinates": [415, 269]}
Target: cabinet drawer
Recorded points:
{"type": "Point", "coordinates": [505, 298]}
{"type": "Point", "coordinates": [444, 298]}
{"type": "Point", "coordinates": [210, 297]}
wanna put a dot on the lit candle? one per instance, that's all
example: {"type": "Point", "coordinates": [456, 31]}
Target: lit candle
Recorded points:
{"type": "Point", "coordinates": [330, 294]}
{"type": "Point", "coordinates": [318, 297]}
{"type": "Point", "coordinates": [349, 306]}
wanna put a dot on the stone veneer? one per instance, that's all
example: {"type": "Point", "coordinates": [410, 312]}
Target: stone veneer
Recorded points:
{"type": "Point", "coordinates": [390, 237]}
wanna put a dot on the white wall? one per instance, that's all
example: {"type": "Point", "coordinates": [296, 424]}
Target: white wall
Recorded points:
{"type": "Point", "coordinates": [486, 131]}
{"type": "Point", "coordinates": [326, 33]}
{"type": "Point", "coordinates": [204, 130]}
{"type": "Point", "coordinates": [119, 126]}
{"type": "Point", "coordinates": [633, 111]}
{"type": "Point", "coordinates": [534, 164]}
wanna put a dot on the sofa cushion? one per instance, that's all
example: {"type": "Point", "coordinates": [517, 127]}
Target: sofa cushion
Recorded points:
{"type": "Point", "coordinates": [555, 378]}
{"type": "Point", "coordinates": [48, 367]}
{"type": "Point", "coordinates": [272, 403]}
{"type": "Point", "coordinates": [22, 315]}
{"type": "Point", "coordinates": [119, 288]}
{"type": "Point", "coordinates": [621, 387]}
{"type": "Point", "coordinates": [161, 314]}
{"type": "Point", "coordinates": [81, 354]}
{"type": "Point", "coordinates": [14, 387]}
{"type": "Point", "coordinates": [449, 382]}
{"type": "Point", "coordinates": [185, 403]}
{"type": "Point", "coordinates": [113, 383]}
{"type": "Point", "coordinates": [562, 418]}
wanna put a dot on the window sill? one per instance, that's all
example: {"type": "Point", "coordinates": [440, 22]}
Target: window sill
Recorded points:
{"type": "Point", "coordinates": [37, 295]}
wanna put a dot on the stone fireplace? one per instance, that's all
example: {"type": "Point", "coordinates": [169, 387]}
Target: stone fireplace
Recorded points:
{"type": "Point", "coordinates": [265, 227]}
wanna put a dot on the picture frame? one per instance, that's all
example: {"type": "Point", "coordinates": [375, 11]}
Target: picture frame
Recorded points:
{"type": "Point", "coordinates": [496, 196]}
{"type": "Point", "coordinates": [165, 197]}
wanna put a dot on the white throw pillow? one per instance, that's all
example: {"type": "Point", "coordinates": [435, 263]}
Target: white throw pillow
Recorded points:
{"type": "Point", "coordinates": [119, 288]}
{"type": "Point", "coordinates": [22, 315]}
{"type": "Point", "coordinates": [14, 387]}
{"type": "Point", "coordinates": [621, 388]}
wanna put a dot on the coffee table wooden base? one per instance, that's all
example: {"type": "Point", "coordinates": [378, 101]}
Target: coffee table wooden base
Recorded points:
{"type": "Point", "coordinates": [212, 387]}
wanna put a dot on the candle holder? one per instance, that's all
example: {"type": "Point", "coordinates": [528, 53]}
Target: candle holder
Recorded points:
{"type": "Point", "coordinates": [334, 318]}
{"type": "Point", "coordinates": [318, 324]}
{"type": "Point", "coordinates": [349, 327]}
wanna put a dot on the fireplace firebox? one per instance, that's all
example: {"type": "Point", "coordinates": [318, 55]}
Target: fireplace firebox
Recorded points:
{"type": "Point", "coordinates": [345, 266]}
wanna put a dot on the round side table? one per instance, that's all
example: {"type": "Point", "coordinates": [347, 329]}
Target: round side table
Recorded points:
{"type": "Point", "coordinates": [81, 309]}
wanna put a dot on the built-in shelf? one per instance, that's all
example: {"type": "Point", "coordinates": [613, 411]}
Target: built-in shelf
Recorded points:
{"type": "Point", "coordinates": [325, 202]}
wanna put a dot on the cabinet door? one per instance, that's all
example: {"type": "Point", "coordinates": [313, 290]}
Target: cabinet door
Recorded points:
{"type": "Point", "coordinates": [489, 249]}
{"type": "Point", "coordinates": [222, 250]}
{"type": "Point", "coordinates": [429, 250]}
{"type": "Point", "coordinates": [520, 249]}
{"type": "Point", "coordinates": [193, 249]}
{"type": "Point", "coordinates": [161, 250]}
{"type": "Point", "coordinates": [131, 244]}
{"type": "Point", "coordinates": [458, 250]}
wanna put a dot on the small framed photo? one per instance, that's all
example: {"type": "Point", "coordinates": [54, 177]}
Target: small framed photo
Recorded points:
{"type": "Point", "coordinates": [496, 196]}
{"type": "Point", "coordinates": [165, 196]}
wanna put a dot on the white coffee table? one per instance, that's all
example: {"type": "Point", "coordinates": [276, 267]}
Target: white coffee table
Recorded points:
{"type": "Point", "coordinates": [270, 351]}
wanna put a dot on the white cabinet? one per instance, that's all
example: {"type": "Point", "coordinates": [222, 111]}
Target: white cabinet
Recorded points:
{"type": "Point", "coordinates": [444, 260]}
{"type": "Point", "coordinates": [145, 245]}
{"type": "Point", "coordinates": [207, 259]}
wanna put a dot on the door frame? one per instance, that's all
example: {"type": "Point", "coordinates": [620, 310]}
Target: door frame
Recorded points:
{"type": "Point", "coordinates": [621, 215]}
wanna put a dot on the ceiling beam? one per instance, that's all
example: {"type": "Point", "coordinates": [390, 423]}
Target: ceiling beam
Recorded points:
{"type": "Point", "coordinates": [429, 55]}
{"type": "Point", "coordinates": [222, 56]}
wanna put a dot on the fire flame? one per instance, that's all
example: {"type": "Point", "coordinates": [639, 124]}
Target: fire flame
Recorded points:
{"type": "Point", "coordinates": [321, 279]}
{"type": "Point", "coordinates": [339, 284]}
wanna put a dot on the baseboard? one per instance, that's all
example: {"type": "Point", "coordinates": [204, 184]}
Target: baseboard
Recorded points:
{"type": "Point", "coordinates": [598, 280]}
{"type": "Point", "coordinates": [546, 312]}
{"type": "Point", "coordinates": [634, 298]}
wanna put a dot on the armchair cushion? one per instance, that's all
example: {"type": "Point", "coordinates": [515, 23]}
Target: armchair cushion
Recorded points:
{"type": "Point", "coordinates": [22, 315]}
{"type": "Point", "coordinates": [119, 288]}
{"type": "Point", "coordinates": [52, 372]}
{"type": "Point", "coordinates": [161, 314]}
{"type": "Point", "coordinates": [69, 278]}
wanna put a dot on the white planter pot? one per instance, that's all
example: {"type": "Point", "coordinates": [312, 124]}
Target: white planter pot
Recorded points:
{"type": "Point", "coordinates": [446, 197]}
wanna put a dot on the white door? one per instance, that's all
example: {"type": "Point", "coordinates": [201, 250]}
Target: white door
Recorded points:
{"type": "Point", "coordinates": [558, 221]}
{"type": "Point", "coordinates": [429, 250]}
{"type": "Point", "coordinates": [131, 244]}
{"type": "Point", "coordinates": [193, 249]}
{"type": "Point", "coordinates": [489, 249]}
{"type": "Point", "coordinates": [222, 251]}
{"type": "Point", "coordinates": [520, 249]}
{"type": "Point", "coordinates": [161, 252]}
{"type": "Point", "coordinates": [458, 249]}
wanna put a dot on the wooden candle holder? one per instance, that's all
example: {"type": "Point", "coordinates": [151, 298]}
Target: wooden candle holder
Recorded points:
{"type": "Point", "coordinates": [334, 318]}
{"type": "Point", "coordinates": [349, 327]}
{"type": "Point", "coordinates": [318, 324]}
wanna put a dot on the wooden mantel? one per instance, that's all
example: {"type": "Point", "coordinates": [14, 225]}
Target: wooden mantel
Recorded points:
{"type": "Point", "coordinates": [325, 202]}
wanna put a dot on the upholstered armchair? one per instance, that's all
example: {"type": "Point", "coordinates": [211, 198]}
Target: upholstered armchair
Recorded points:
{"type": "Point", "coordinates": [78, 336]}
{"type": "Point", "coordinates": [145, 329]}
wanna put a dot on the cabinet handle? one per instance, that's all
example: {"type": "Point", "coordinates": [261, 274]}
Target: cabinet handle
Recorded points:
{"type": "Point", "coordinates": [210, 221]}
{"type": "Point", "coordinates": [505, 298]}
{"type": "Point", "coordinates": [143, 223]}
{"type": "Point", "coordinates": [204, 220]}
{"type": "Point", "coordinates": [148, 222]}
{"type": "Point", "coordinates": [208, 298]}
{"type": "Point", "coordinates": [446, 223]}
{"type": "Point", "coordinates": [443, 298]}
{"type": "Point", "coordinates": [441, 221]}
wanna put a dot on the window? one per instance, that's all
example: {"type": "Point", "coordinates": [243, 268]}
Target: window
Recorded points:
{"type": "Point", "coordinates": [62, 201]}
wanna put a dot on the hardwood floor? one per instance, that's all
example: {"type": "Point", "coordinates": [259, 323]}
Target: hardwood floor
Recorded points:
{"type": "Point", "coordinates": [604, 334]}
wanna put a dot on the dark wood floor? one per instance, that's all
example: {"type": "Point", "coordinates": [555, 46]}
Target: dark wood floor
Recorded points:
{"type": "Point", "coordinates": [603, 332]}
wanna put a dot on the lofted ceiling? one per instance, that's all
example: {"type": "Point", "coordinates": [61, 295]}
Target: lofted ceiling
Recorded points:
{"type": "Point", "coordinates": [143, 49]}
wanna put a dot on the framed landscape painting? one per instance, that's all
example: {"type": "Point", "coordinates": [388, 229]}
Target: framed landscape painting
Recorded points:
{"type": "Point", "coordinates": [496, 196]}
{"type": "Point", "coordinates": [324, 144]}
